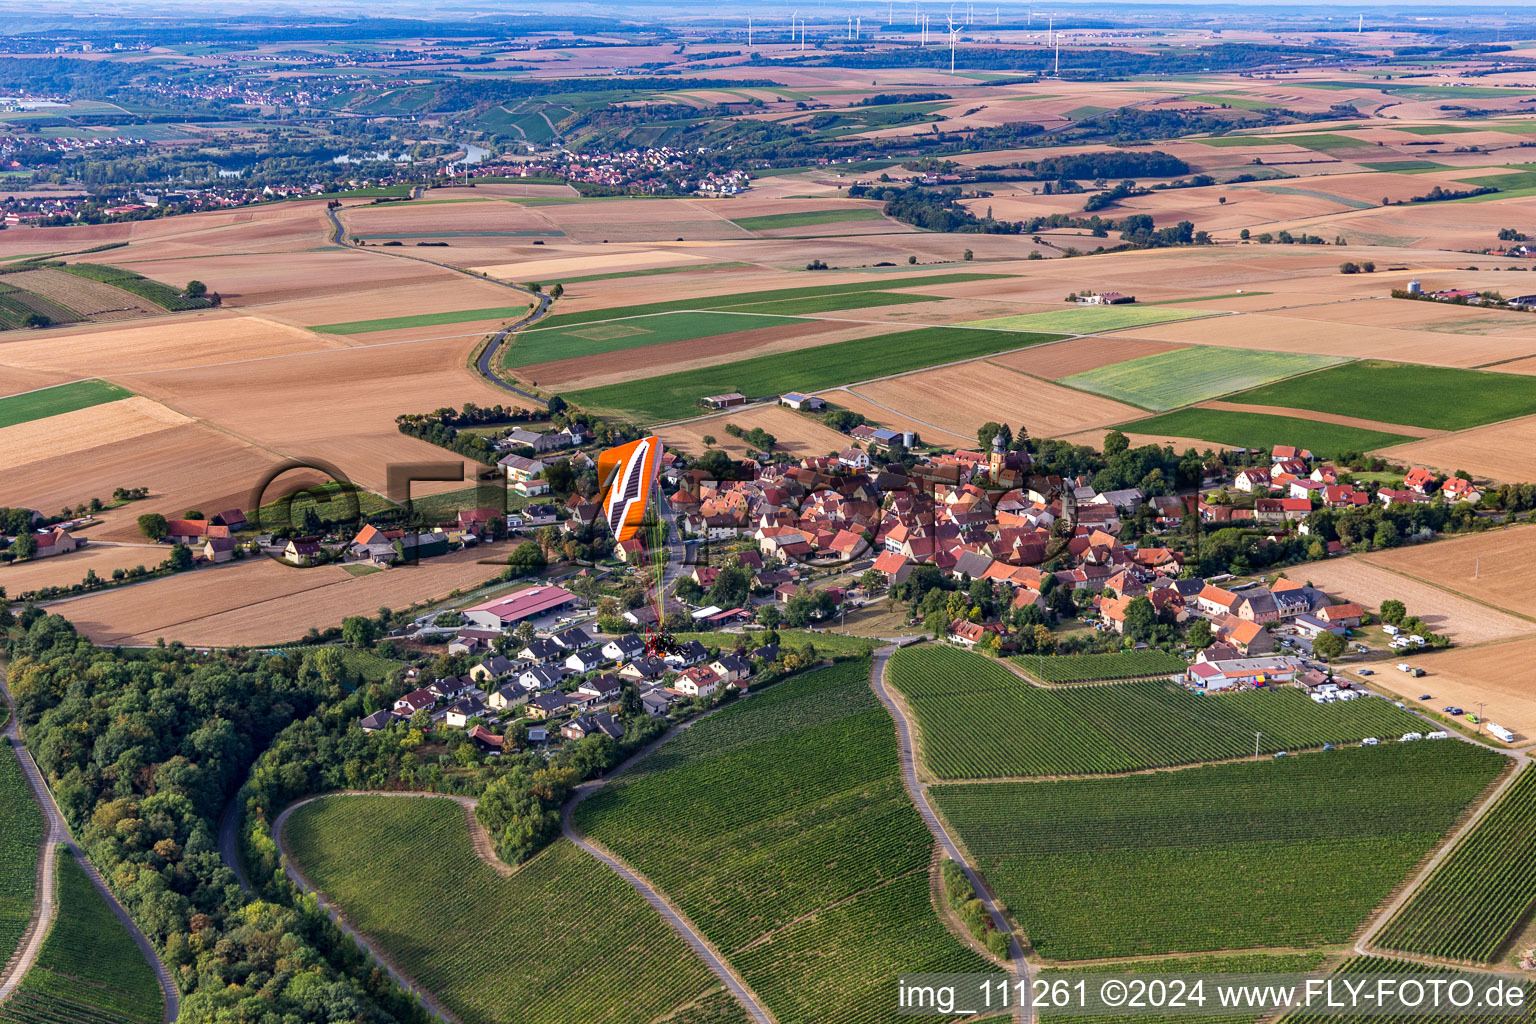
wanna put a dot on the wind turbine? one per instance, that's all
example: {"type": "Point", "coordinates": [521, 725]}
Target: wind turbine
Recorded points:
{"type": "Point", "coordinates": [749, 31]}
{"type": "Point", "coordinates": [954, 33]}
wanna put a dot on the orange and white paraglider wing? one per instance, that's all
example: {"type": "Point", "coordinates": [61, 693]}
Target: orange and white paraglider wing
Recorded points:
{"type": "Point", "coordinates": [626, 475]}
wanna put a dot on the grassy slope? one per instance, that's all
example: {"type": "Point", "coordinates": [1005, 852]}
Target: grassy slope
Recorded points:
{"type": "Point", "coordinates": [562, 939]}
{"type": "Point", "coordinates": [978, 720]}
{"type": "Point", "coordinates": [1289, 852]}
{"type": "Point", "coordinates": [35, 405]}
{"type": "Point", "coordinates": [1437, 397]}
{"type": "Point", "coordinates": [1260, 430]}
{"type": "Point", "coordinates": [781, 827]}
{"type": "Point", "coordinates": [88, 965]}
{"type": "Point", "coordinates": [19, 844]}
{"type": "Point", "coordinates": [675, 395]}
{"type": "Point", "coordinates": [1185, 376]}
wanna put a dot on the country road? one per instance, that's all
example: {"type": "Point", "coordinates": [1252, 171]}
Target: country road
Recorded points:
{"type": "Point", "coordinates": [55, 836]}
{"type": "Point", "coordinates": [916, 790]}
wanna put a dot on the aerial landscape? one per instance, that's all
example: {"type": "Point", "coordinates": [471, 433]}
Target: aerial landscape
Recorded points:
{"type": "Point", "coordinates": [669, 514]}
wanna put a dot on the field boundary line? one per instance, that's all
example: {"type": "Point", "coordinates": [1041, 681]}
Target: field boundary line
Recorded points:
{"type": "Point", "coordinates": [1447, 590]}
{"type": "Point", "coordinates": [1363, 944]}
{"type": "Point", "coordinates": [917, 794]}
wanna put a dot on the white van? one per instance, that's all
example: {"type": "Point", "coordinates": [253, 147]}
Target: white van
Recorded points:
{"type": "Point", "coordinates": [1370, 741]}
{"type": "Point", "coordinates": [1403, 666]}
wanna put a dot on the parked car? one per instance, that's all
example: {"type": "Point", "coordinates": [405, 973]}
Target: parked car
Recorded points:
{"type": "Point", "coordinates": [1367, 671]}
{"type": "Point", "coordinates": [1370, 741]}
{"type": "Point", "coordinates": [1452, 709]}
{"type": "Point", "coordinates": [1427, 696]}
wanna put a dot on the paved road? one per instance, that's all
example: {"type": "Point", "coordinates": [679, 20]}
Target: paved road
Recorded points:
{"type": "Point", "coordinates": [916, 790]}
{"type": "Point", "coordinates": [56, 835]}
{"type": "Point", "coordinates": [229, 839]}
{"type": "Point", "coordinates": [483, 363]}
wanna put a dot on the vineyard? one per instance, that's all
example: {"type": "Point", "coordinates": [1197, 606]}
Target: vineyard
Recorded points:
{"type": "Point", "coordinates": [1243, 963]}
{"type": "Point", "coordinates": [781, 827]}
{"type": "Point", "coordinates": [1288, 852]}
{"type": "Point", "coordinates": [89, 969]}
{"type": "Point", "coordinates": [1089, 668]}
{"type": "Point", "coordinates": [1380, 965]}
{"type": "Point", "coordinates": [1479, 895]}
{"type": "Point", "coordinates": [162, 295]}
{"type": "Point", "coordinates": [979, 720]}
{"type": "Point", "coordinates": [20, 841]}
{"type": "Point", "coordinates": [562, 939]}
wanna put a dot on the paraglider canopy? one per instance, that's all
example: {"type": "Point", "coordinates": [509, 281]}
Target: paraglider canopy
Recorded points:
{"type": "Point", "coordinates": [627, 478]}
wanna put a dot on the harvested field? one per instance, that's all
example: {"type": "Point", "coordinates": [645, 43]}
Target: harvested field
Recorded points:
{"type": "Point", "coordinates": [932, 433]}
{"type": "Point", "coordinates": [961, 398]}
{"type": "Point", "coordinates": [402, 220]}
{"type": "Point", "coordinates": [1293, 334]}
{"type": "Point", "coordinates": [260, 601]}
{"type": "Point", "coordinates": [248, 279]}
{"type": "Point", "coordinates": [1492, 568]}
{"type": "Point", "coordinates": [437, 296]}
{"type": "Point", "coordinates": [55, 437]}
{"type": "Point", "coordinates": [643, 220]}
{"type": "Point", "coordinates": [1500, 451]}
{"type": "Point", "coordinates": [1079, 355]}
{"type": "Point", "coordinates": [555, 268]}
{"type": "Point", "coordinates": [798, 435]}
{"type": "Point", "coordinates": [1497, 674]}
{"type": "Point", "coordinates": [1095, 439]}
{"type": "Point", "coordinates": [92, 300]}
{"type": "Point", "coordinates": [1464, 621]}
{"type": "Point", "coordinates": [198, 339]}
{"type": "Point", "coordinates": [61, 570]}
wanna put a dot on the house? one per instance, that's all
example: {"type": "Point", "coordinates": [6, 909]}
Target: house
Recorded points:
{"type": "Point", "coordinates": [215, 549]}
{"type": "Point", "coordinates": [726, 401]}
{"type": "Point", "coordinates": [644, 669]}
{"type": "Point", "coordinates": [1246, 636]}
{"type": "Point", "coordinates": [1346, 615]}
{"type": "Point", "coordinates": [1236, 672]}
{"type": "Point", "coordinates": [539, 515]}
{"type": "Point", "coordinates": [1389, 497]}
{"type": "Point", "coordinates": [805, 403]}
{"type": "Point", "coordinates": [1215, 601]}
{"type": "Point", "coordinates": [584, 660]}
{"type": "Point", "coordinates": [1113, 610]}
{"type": "Point", "coordinates": [187, 531]}
{"type": "Point", "coordinates": [450, 686]}
{"type": "Point", "coordinates": [969, 634]}
{"type": "Point", "coordinates": [623, 648]}
{"type": "Point", "coordinates": [853, 458]}
{"type": "Point", "coordinates": [1250, 480]}
{"type": "Point", "coordinates": [487, 740]}
{"type": "Point", "coordinates": [416, 700]}
{"type": "Point", "coordinates": [1286, 452]}
{"type": "Point", "coordinates": [698, 681]}
{"type": "Point", "coordinates": [376, 721]}
{"type": "Point", "coordinates": [573, 639]}
{"type": "Point", "coordinates": [690, 653]}
{"type": "Point", "coordinates": [460, 713]}
{"type": "Point", "coordinates": [656, 702]}
{"type": "Point", "coordinates": [601, 723]}
{"type": "Point", "coordinates": [541, 652]}
{"type": "Point", "coordinates": [494, 667]}
{"type": "Point", "coordinates": [506, 612]}
{"type": "Point", "coordinates": [731, 668]}
{"type": "Point", "coordinates": [546, 705]}
{"type": "Point", "coordinates": [56, 541]}
{"type": "Point", "coordinates": [537, 734]}
{"type": "Point", "coordinates": [894, 565]}
{"type": "Point", "coordinates": [232, 518]}
{"type": "Point", "coordinates": [1106, 299]}
{"type": "Point", "coordinates": [541, 677]}
{"type": "Point", "coordinates": [524, 475]}
{"type": "Point", "coordinates": [1344, 496]}
{"type": "Point", "coordinates": [510, 696]}
{"type": "Point", "coordinates": [302, 551]}
{"type": "Point", "coordinates": [606, 687]}
{"type": "Point", "coordinates": [630, 552]}
{"type": "Point", "coordinates": [1457, 489]}
{"type": "Point", "coordinates": [1311, 627]}
{"type": "Point", "coordinates": [1419, 480]}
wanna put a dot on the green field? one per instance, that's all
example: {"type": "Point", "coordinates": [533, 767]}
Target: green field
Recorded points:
{"type": "Point", "coordinates": [392, 323]}
{"type": "Point", "coordinates": [541, 345]}
{"type": "Point", "coordinates": [1403, 166]}
{"type": "Point", "coordinates": [978, 720]}
{"type": "Point", "coordinates": [1437, 397]}
{"type": "Point", "coordinates": [692, 268]}
{"type": "Point", "coordinates": [20, 841]}
{"type": "Point", "coordinates": [1231, 856]}
{"type": "Point", "coordinates": [1481, 893]}
{"type": "Point", "coordinates": [781, 827]}
{"type": "Point", "coordinates": [1185, 376]}
{"type": "Point", "coordinates": [754, 302]}
{"type": "Point", "coordinates": [35, 405]}
{"type": "Point", "coordinates": [1085, 668]}
{"type": "Point", "coordinates": [826, 643]}
{"type": "Point", "coordinates": [676, 395]}
{"type": "Point", "coordinates": [562, 939]}
{"type": "Point", "coordinates": [1087, 319]}
{"type": "Point", "coordinates": [1261, 430]}
{"type": "Point", "coordinates": [1320, 143]}
{"type": "Point", "coordinates": [89, 968]}
{"type": "Point", "coordinates": [807, 218]}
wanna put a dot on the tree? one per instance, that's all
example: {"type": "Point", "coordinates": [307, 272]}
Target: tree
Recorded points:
{"type": "Point", "coordinates": [1244, 234]}
{"type": "Point", "coordinates": [358, 631]}
{"type": "Point", "coordinates": [557, 291]}
{"type": "Point", "coordinates": [180, 558]}
{"type": "Point", "coordinates": [1386, 534]}
{"type": "Point", "coordinates": [770, 615]}
{"type": "Point", "coordinates": [1328, 646]}
{"type": "Point", "coordinates": [24, 546]}
{"type": "Point", "coordinates": [1114, 443]}
{"type": "Point", "coordinates": [527, 559]}
{"type": "Point", "coordinates": [196, 289]}
{"type": "Point", "coordinates": [732, 587]}
{"type": "Point", "coordinates": [968, 256]}
{"type": "Point", "coordinates": [153, 526]}
{"type": "Point", "coordinates": [988, 430]}
{"type": "Point", "coordinates": [1348, 267]}
{"type": "Point", "coordinates": [1200, 636]}
{"type": "Point", "coordinates": [1393, 612]}
{"type": "Point", "coordinates": [709, 440]}
{"type": "Point", "coordinates": [911, 260]}
{"type": "Point", "coordinates": [1140, 619]}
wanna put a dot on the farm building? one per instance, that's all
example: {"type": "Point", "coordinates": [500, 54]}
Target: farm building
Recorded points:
{"type": "Point", "coordinates": [726, 401]}
{"type": "Point", "coordinates": [506, 612]}
{"type": "Point", "coordinates": [805, 403]}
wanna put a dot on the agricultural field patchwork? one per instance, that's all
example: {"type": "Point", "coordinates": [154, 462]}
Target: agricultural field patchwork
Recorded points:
{"type": "Point", "coordinates": [20, 842]}
{"type": "Point", "coordinates": [1088, 319]}
{"type": "Point", "coordinates": [1225, 856]}
{"type": "Point", "coordinates": [89, 968]}
{"type": "Point", "coordinates": [36, 405]}
{"type": "Point", "coordinates": [1480, 894]}
{"type": "Point", "coordinates": [1185, 376]}
{"type": "Point", "coordinates": [588, 946]}
{"type": "Point", "coordinates": [1437, 397]}
{"type": "Point", "coordinates": [978, 720]}
{"type": "Point", "coordinates": [1262, 430]}
{"type": "Point", "coordinates": [676, 395]}
{"type": "Point", "coordinates": [747, 820]}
